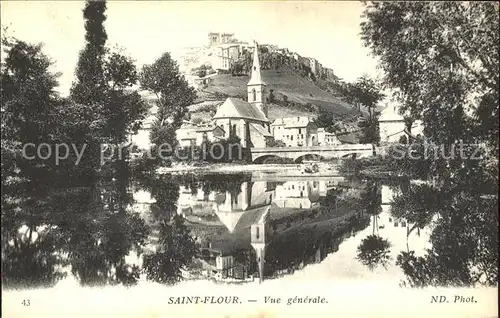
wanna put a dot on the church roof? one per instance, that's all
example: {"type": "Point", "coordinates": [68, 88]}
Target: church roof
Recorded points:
{"type": "Point", "coordinates": [261, 130]}
{"type": "Point", "coordinates": [235, 221]}
{"type": "Point", "coordinates": [236, 108]}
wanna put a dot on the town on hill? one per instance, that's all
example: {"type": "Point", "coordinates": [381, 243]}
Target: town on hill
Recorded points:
{"type": "Point", "coordinates": [266, 97]}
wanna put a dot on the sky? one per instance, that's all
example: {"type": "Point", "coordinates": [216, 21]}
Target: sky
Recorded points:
{"type": "Point", "coordinates": [327, 31]}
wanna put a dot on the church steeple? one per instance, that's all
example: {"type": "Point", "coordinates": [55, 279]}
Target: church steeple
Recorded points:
{"type": "Point", "coordinates": [259, 240]}
{"type": "Point", "coordinates": [256, 78]}
{"type": "Point", "coordinates": [256, 87]}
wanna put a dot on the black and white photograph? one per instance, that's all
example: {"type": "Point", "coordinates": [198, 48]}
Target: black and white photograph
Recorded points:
{"type": "Point", "coordinates": [249, 159]}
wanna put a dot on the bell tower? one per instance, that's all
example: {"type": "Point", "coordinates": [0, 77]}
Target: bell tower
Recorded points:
{"type": "Point", "coordinates": [259, 241]}
{"type": "Point", "coordinates": [256, 87]}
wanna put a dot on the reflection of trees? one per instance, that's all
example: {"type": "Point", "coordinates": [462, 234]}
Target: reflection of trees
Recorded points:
{"type": "Point", "coordinates": [31, 259]}
{"type": "Point", "coordinates": [97, 250]}
{"type": "Point", "coordinates": [215, 182]}
{"type": "Point", "coordinates": [95, 240]}
{"type": "Point", "coordinates": [176, 249]}
{"type": "Point", "coordinates": [374, 251]}
{"type": "Point", "coordinates": [464, 238]}
{"type": "Point", "coordinates": [298, 246]}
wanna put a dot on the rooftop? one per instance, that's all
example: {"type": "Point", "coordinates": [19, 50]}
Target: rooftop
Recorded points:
{"type": "Point", "coordinates": [293, 122]}
{"type": "Point", "coordinates": [237, 108]}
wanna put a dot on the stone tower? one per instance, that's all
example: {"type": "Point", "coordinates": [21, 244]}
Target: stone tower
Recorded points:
{"type": "Point", "coordinates": [258, 241]}
{"type": "Point", "coordinates": [256, 87]}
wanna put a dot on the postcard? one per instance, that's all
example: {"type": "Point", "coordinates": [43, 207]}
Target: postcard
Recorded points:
{"type": "Point", "coordinates": [249, 159]}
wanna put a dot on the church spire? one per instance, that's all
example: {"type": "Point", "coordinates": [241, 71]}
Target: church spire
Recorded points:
{"type": "Point", "coordinates": [256, 78]}
{"type": "Point", "coordinates": [256, 87]}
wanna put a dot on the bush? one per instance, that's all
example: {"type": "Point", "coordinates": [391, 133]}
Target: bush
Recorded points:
{"type": "Point", "coordinates": [275, 143]}
{"type": "Point", "coordinates": [351, 165]}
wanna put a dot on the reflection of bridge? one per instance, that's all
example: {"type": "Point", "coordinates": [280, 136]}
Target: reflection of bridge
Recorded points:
{"type": "Point", "coordinates": [312, 152]}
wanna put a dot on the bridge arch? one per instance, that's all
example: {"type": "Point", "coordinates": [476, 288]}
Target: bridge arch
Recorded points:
{"type": "Point", "coordinates": [351, 155]}
{"type": "Point", "coordinates": [261, 159]}
{"type": "Point", "coordinates": [307, 156]}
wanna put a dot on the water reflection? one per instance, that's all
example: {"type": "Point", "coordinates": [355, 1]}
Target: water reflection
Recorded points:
{"type": "Point", "coordinates": [261, 229]}
{"type": "Point", "coordinates": [235, 229]}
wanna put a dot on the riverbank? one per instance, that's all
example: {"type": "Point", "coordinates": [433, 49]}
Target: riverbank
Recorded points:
{"type": "Point", "coordinates": [228, 168]}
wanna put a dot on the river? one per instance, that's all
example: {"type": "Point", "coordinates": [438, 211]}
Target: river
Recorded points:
{"type": "Point", "coordinates": [250, 228]}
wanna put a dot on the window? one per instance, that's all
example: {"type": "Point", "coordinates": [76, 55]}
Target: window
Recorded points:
{"type": "Point", "coordinates": [254, 94]}
{"type": "Point", "coordinates": [300, 131]}
{"type": "Point", "coordinates": [291, 137]}
{"type": "Point", "coordinates": [257, 232]}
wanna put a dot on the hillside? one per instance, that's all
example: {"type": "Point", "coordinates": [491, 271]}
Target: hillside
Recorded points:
{"type": "Point", "coordinates": [294, 95]}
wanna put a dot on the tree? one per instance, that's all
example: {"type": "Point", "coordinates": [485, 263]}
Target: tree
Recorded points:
{"type": "Point", "coordinates": [236, 68]}
{"type": "Point", "coordinates": [464, 238]}
{"type": "Point", "coordinates": [172, 91]}
{"type": "Point", "coordinates": [89, 86]}
{"type": "Point", "coordinates": [30, 108]}
{"type": "Point", "coordinates": [443, 58]}
{"type": "Point", "coordinates": [370, 131]}
{"type": "Point", "coordinates": [364, 92]}
{"type": "Point", "coordinates": [326, 120]}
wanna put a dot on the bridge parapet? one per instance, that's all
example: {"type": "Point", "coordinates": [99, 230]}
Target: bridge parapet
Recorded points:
{"type": "Point", "coordinates": [296, 153]}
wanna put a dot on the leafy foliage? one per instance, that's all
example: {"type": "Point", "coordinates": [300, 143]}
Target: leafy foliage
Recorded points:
{"type": "Point", "coordinates": [374, 251]}
{"type": "Point", "coordinates": [172, 91]}
{"type": "Point", "coordinates": [442, 57]}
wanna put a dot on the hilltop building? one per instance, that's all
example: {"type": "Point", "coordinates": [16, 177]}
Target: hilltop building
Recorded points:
{"type": "Point", "coordinates": [295, 131]}
{"type": "Point", "coordinates": [220, 38]}
{"type": "Point", "coordinates": [247, 120]}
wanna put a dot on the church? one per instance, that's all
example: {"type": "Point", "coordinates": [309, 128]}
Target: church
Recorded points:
{"type": "Point", "coordinates": [247, 120]}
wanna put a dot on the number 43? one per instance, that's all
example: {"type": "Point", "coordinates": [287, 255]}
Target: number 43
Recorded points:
{"type": "Point", "coordinates": [26, 302]}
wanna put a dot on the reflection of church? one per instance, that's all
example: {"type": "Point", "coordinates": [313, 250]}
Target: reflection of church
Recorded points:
{"type": "Point", "coordinates": [239, 210]}
{"type": "Point", "coordinates": [253, 234]}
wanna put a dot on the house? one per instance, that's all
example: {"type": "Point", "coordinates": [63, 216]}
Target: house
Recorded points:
{"type": "Point", "coordinates": [392, 125]}
{"type": "Point", "coordinates": [327, 138]}
{"type": "Point", "coordinates": [209, 133]}
{"type": "Point", "coordinates": [298, 194]}
{"type": "Point", "coordinates": [295, 131]}
{"type": "Point", "coordinates": [247, 120]}
{"type": "Point", "coordinates": [186, 135]}
{"type": "Point", "coordinates": [141, 137]}
{"type": "Point", "coordinates": [189, 135]}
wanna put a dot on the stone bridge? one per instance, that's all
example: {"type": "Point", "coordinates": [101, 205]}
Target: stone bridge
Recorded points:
{"type": "Point", "coordinates": [298, 154]}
